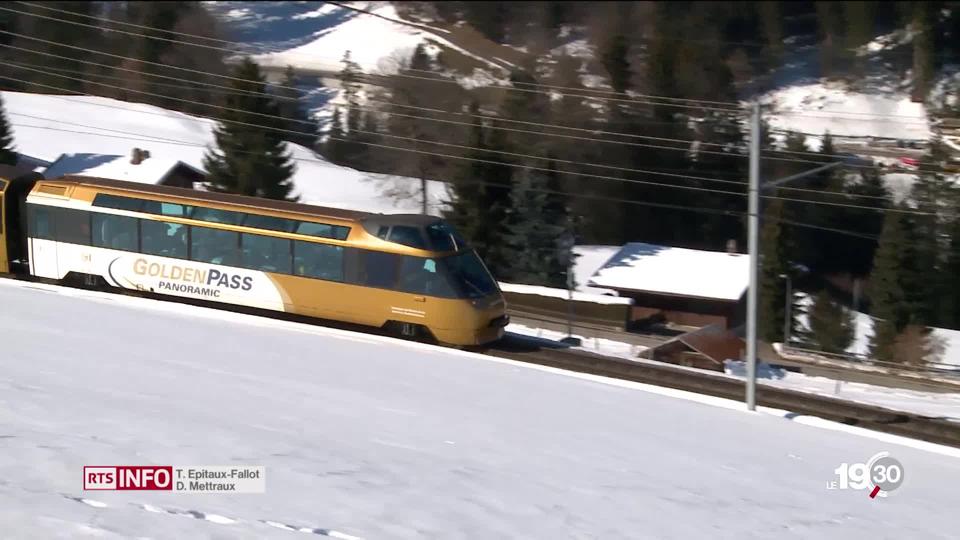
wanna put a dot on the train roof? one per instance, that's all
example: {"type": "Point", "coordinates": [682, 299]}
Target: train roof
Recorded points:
{"type": "Point", "coordinates": [323, 212]}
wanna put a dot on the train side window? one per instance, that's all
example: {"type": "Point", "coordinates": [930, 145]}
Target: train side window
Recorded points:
{"type": "Point", "coordinates": [422, 276]}
{"type": "Point", "coordinates": [214, 215]}
{"type": "Point", "coordinates": [72, 226]}
{"type": "Point", "coordinates": [265, 253]}
{"type": "Point", "coordinates": [214, 246]}
{"type": "Point", "coordinates": [270, 223]}
{"type": "Point", "coordinates": [40, 221]}
{"type": "Point", "coordinates": [116, 202]}
{"type": "Point", "coordinates": [321, 261]}
{"type": "Point", "coordinates": [378, 269]}
{"type": "Point", "coordinates": [163, 239]}
{"type": "Point", "coordinates": [166, 209]}
{"type": "Point", "coordinates": [115, 232]}
{"type": "Point", "coordinates": [323, 230]}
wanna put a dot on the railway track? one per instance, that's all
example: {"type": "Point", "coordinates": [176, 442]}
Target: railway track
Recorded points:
{"type": "Point", "coordinates": [552, 354]}
{"type": "Point", "coordinates": [916, 426]}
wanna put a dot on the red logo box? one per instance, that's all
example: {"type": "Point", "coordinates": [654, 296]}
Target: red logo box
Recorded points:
{"type": "Point", "coordinates": [128, 477]}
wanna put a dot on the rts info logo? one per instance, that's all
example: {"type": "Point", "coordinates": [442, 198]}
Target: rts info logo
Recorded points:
{"type": "Point", "coordinates": [129, 477]}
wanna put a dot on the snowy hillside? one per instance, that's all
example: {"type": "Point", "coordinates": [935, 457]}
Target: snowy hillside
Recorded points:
{"type": "Point", "coordinates": [46, 127]}
{"type": "Point", "coordinates": [366, 437]}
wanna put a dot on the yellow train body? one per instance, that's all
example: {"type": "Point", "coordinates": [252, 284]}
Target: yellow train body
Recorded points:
{"type": "Point", "coordinates": [409, 272]}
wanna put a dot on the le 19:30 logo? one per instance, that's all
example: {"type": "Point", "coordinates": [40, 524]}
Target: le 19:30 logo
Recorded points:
{"type": "Point", "coordinates": [881, 474]}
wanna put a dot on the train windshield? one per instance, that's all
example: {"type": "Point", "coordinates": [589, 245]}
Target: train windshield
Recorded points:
{"type": "Point", "coordinates": [468, 275]}
{"type": "Point", "coordinates": [444, 237]}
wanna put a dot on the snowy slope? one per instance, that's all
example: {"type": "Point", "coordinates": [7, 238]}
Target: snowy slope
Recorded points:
{"type": "Point", "coordinates": [47, 126]}
{"type": "Point", "coordinates": [377, 439]}
{"type": "Point", "coordinates": [821, 107]}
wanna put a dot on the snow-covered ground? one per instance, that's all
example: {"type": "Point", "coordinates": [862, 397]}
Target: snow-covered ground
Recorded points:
{"type": "Point", "coordinates": [47, 126]}
{"type": "Point", "coordinates": [375, 438]}
{"type": "Point", "coordinates": [606, 347]}
{"type": "Point", "coordinates": [820, 107]}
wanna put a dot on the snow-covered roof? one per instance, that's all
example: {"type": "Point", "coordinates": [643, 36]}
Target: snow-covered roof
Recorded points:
{"type": "Point", "coordinates": [676, 271]}
{"type": "Point", "coordinates": [590, 259]}
{"type": "Point", "coordinates": [563, 294]}
{"type": "Point", "coordinates": [152, 170]}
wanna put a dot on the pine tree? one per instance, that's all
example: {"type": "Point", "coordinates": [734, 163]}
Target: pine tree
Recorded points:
{"type": "Point", "coordinates": [333, 148]}
{"type": "Point", "coordinates": [773, 265]}
{"type": "Point", "coordinates": [480, 197]}
{"type": "Point", "coordinates": [831, 325]}
{"type": "Point", "coordinates": [951, 270]}
{"type": "Point", "coordinates": [250, 160]}
{"type": "Point", "coordinates": [615, 61]}
{"type": "Point", "coordinates": [292, 108]}
{"type": "Point", "coordinates": [924, 48]}
{"type": "Point", "coordinates": [7, 154]}
{"type": "Point", "coordinates": [354, 151]}
{"type": "Point", "coordinates": [888, 294]}
{"type": "Point", "coordinates": [537, 222]}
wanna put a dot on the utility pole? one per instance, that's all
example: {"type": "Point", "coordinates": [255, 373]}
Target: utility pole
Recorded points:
{"type": "Point", "coordinates": [753, 217]}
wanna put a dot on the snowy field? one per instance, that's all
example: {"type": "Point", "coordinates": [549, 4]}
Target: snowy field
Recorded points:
{"type": "Point", "coordinates": [374, 438]}
{"type": "Point", "coordinates": [108, 127]}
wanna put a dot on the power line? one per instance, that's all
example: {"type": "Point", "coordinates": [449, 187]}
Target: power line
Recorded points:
{"type": "Point", "coordinates": [728, 213]}
{"type": "Point", "coordinates": [389, 113]}
{"type": "Point", "coordinates": [573, 173]}
{"type": "Point", "coordinates": [539, 85]}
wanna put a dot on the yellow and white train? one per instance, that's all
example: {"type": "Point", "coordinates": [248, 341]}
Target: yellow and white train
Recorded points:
{"type": "Point", "coordinates": [409, 274]}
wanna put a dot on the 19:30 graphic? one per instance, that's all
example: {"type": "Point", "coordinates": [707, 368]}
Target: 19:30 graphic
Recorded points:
{"type": "Point", "coordinates": [881, 474]}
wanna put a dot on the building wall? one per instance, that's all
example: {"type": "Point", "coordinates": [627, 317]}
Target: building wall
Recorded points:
{"type": "Point", "coordinates": [682, 310]}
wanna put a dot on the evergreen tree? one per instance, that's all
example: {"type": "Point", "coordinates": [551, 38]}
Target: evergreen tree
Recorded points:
{"type": "Point", "coordinates": [951, 270]}
{"type": "Point", "coordinates": [354, 151]}
{"type": "Point", "coordinates": [292, 108]}
{"type": "Point", "coordinates": [480, 197]}
{"type": "Point", "coordinates": [924, 48]}
{"type": "Point", "coordinates": [7, 154]}
{"type": "Point", "coordinates": [615, 61]}
{"type": "Point", "coordinates": [773, 265]}
{"type": "Point", "coordinates": [868, 223]}
{"type": "Point", "coordinates": [250, 160]}
{"type": "Point", "coordinates": [334, 148]}
{"type": "Point", "coordinates": [888, 294]}
{"type": "Point", "coordinates": [831, 325]}
{"type": "Point", "coordinates": [56, 37]}
{"type": "Point", "coordinates": [538, 221]}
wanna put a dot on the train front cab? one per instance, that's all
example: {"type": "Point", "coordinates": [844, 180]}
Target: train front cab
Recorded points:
{"type": "Point", "coordinates": [15, 184]}
{"type": "Point", "coordinates": [444, 286]}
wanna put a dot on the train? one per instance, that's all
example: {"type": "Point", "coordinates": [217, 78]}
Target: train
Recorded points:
{"type": "Point", "coordinates": [409, 275]}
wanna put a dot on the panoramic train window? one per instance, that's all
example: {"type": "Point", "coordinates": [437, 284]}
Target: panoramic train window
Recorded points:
{"type": "Point", "coordinates": [213, 215]}
{"type": "Point", "coordinates": [214, 246]}
{"type": "Point", "coordinates": [422, 276]}
{"type": "Point", "coordinates": [323, 230]}
{"type": "Point", "coordinates": [166, 209]}
{"type": "Point", "coordinates": [318, 260]}
{"type": "Point", "coordinates": [408, 236]}
{"type": "Point", "coordinates": [116, 202]}
{"type": "Point", "coordinates": [443, 237]}
{"type": "Point", "coordinates": [115, 232]}
{"type": "Point", "coordinates": [270, 223]}
{"type": "Point", "coordinates": [265, 253]}
{"type": "Point", "coordinates": [468, 274]}
{"type": "Point", "coordinates": [41, 222]}
{"type": "Point", "coordinates": [163, 239]}
{"type": "Point", "coordinates": [379, 269]}
{"type": "Point", "coordinates": [72, 226]}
